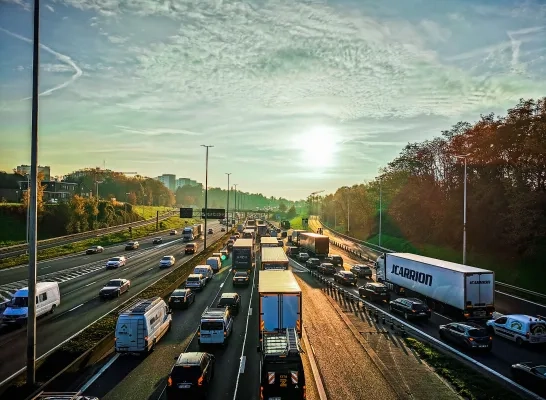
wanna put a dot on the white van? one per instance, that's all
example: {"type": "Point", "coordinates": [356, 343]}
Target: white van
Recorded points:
{"type": "Point", "coordinates": [196, 282]}
{"type": "Point", "coordinates": [48, 297]}
{"type": "Point", "coordinates": [518, 328]}
{"type": "Point", "coordinates": [141, 325]}
{"type": "Point", "coordinates": [215, 263]}
{"type": "Point", "coordinates": [215, 327]}
{"type": "Point", "coordinates": [204, 270]}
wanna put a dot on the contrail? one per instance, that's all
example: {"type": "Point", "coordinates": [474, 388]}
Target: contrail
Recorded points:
{"type": "Point", "coordinates": [58, 56]}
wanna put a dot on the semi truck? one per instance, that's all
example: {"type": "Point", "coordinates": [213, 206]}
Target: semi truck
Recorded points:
{"type": "Point", "coordinates": [295, 236]}
{"type": "Point", "coordinates": [273, 258]}
{"type": "Point", "coordinates": [268, 241]}
{"type": "Point", "coordinates": [280, 305]}
{"type": "Point", "coordinates": [262, 229]}
{"type": "Point", "coordinates": [462, 291]}
{"type": "Point", "coordinates": [282, 375]}
{"type": "Point", "coordinates": [192, 232]}
{"type": "Point", "coordinates": [243, 255]}
{"type": "Point", "coordinates": [240, 228]}
{"type": "Point", "coordinates": [249, 234]}
{"type": "Point", "coordinates": [315, 244]}
{"type": "Point", "coordinates": [250, 223]}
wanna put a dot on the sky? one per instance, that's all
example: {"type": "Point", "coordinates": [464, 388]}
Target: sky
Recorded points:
{"type": "Point", "coordinates": [295, 96]}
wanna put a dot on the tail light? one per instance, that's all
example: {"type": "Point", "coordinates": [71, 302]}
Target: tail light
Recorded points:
{"type": "Point", "coordinates": [527, 335]}
{"type": "Point", "coordinates": [200, 381]}
{"type": "Point", "coordinates": [304, 392]}
{"type": "Point", "coordinates": [170, 381]}
{"type": "Point", "coordinates": [225, 333]}
{"type": "Point", "coordinates": [471, 339]}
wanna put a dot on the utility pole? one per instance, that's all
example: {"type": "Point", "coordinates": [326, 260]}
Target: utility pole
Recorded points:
{"type": "Point", "coordinates": [236, 201]}
{"type": "Point", "coordinates": [464, 156]}
{"type": "Point", "coordinates": [380, 208]}
{"type": "Point", "coordinates": [227, 206]}
{"type": "Point", "coordinates": [97, 215]}
{"type": "Point", "coordinates": [348, 216]}
{"type": "Point", "coordinates": [33, 205]}
{"type": "Point", "coordinates": [206, 193]}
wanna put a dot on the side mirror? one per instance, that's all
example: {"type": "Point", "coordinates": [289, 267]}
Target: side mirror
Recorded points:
{"type": "Point", "coordinates": [258, 348]}
{"type": "Point", "coordinates": [176, 357]}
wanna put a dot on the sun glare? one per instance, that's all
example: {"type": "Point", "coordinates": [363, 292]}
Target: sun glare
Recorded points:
{"type": "Point", "coordinates": [318, 147]}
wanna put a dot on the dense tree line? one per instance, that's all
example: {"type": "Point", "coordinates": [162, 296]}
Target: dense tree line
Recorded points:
{"type": "Point", "coordinates": [422, 189]}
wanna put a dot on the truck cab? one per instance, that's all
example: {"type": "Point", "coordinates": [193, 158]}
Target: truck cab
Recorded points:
{"type": "Point", "coordinates": [282, 375]}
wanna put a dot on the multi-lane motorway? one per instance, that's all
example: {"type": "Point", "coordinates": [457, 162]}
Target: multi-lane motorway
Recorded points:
{"type": "Point", "coordinates": [504, 352]}
{"type": "Point", "coordinates": [80, 278]}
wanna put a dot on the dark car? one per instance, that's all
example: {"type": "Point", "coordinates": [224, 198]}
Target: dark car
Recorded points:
{"type": "Point", "coordinates": [374, 291]}
{"type": "Point", "coordinates": [241, 278]}
{"type": "Point", "coordinates": [326, 269]}
{"type": "Point", "coordinates": [190, 376]}
{"type": "Point", "coordinates": [211, 231]}
{"type": "Point", "coordinates": [334, 259]}
{"type": "Point", "coordinates": [223, 229]}
{"type": "Point", "coordinates": [114, 288]}
{"type": "Point", "coordinates": [232, 301]}
{"type": "Point", "coordinates": [410, 308]}
{"type": "Point", "coordinates": [312, 263]}
{"type": "Point", "coordinates": [362, 271]}
{"type": "Point", "coordinates": [132, 245]}
{"type": "Point", "coordinates": [157, 240]}
{"type": "Point", "coordinates": [190, 248]}
{"type": "Point", "coordinates": [467, 334]}
{"type": "Point", "coordinates": [531, 375]}
{"type": "Point", "coordinates": [94, 250]}
{"type": "Point", "coordinates": [345, 278]}
{"type": "Point", "coordinates": [173, 232]}
{"type": "Point", "coordinates": [181, 298]}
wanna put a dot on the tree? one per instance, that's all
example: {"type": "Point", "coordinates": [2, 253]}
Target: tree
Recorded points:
{"type": "Point", "coordinates": [39, 195]}
{"type": "Point", "coordinates": [132, 198]}
{"type": "Point", "coordinates": [282, 207]}
{"type": "Point", "coordinates": [291, 213]}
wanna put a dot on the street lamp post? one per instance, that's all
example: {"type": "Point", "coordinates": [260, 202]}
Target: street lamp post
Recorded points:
{"type": "Point", "coordinates": [227, 206]}
{"type": "Point", "coordinates": [97, 215]}
{"type": "Point", "coordinates": [33, 205]}
{"type": "Point", "coordinates": [380, 209]}
{"type": "Point", "coordinates": [236, 202]}
{"type": "Point", "coordinates": [464, 156]}
{"type": "Point", "coordinates": [206, 193]}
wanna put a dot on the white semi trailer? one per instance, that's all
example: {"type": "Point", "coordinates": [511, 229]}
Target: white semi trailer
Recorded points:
{"type": "Point", "coordinates": [460, 290]}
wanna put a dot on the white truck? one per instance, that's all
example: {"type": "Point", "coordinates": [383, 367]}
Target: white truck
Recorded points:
{"type": "Point", "coordinates": [460, 290]}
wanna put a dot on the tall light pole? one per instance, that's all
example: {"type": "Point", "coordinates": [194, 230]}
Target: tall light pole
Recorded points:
{"type": "Point", "coordinates": [227, 207]}
{"type": "Point", "coordinates": [380, 208]}
{"type": "Point", "coordinates": [348, 215]}
{"type": "Point", "coordinates": [97, 215]}
{"type": "Point", "coordinates": [236, 201]}
{"type": "Point", "coordinates": [206, 193]}
{"type": "Point", "coordinates": [33, 205]}
{"type": "Point", "coordinates": [464, 156]}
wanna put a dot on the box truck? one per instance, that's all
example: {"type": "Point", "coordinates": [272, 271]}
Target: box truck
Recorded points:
{"type": "Point", "coordinates": [250, 223]}
{"type": "Point", "coordinates": [268, 241]}
{"type": "Point", "coordinates": [192, 232]}
{"type": "Point", "coordinates": [280, 305]}
{"type": "Point", "coordinates": [243, 255]}
{"type": "Point", "coordinates": [262, 229]}
{"type": "Point", "coordinates": [315, 244]}
{"type": "Point", "coordinates": [295, 236]}
{"type": "Point", "coordinates": [273, 258]}
{"type": "Point", "coordinates": [460, 290]}
{"type": "Point", "coordinates": [249, 234]}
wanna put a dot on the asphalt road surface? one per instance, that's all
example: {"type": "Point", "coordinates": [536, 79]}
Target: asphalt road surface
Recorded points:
{"type": "Point", "coordinates": [71, 266]}
{"type": "Point", "coordinates": [504, 352]}
{"type": "Point", "coordinates": [81, 306]}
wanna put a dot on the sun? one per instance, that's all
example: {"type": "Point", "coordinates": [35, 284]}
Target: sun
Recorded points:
{"type": "Point", "coordinates": [318, 147]}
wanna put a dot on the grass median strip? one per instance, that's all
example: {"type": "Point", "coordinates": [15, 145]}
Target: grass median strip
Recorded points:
{"type": "Point", "coordinates": [467, 382]}
{"type": "Point", "coordinates": [85, 341]}
{"type": "Point", "coordinates": [105, 240]}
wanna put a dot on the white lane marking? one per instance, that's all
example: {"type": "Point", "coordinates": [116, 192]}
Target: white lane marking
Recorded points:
{"type": "Point", "coordinates": [221, 285]}
{"type": "Point", "coordinates": [242, 365]}
{"type": "Point", "coordinates": [99, 373]}
{"type": "Point", "coordinates": [250, 311]}
{"type": "Point", "coordinates": [89, 284]}
{"type": "Point", "coordinates": [74, 308]}
{"type": "Point", "coordinates": [46, 267]}
{"type": "Point", "coordinates": [150, 268]}
{"type": "Point", "coordinates": [520, 299]}
{"type": "Point", "coordinates": [243, 358]}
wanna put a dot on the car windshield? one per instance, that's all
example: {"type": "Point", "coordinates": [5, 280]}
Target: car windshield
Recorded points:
{"type": "Point", "coordinates": [94, 247]}
{"type": "Point", "coordinates": [19, 302]}
{"type": "Point", "coordinates": [114, 283]}
{"type": "Point", "coordinates": [378, 289]}
{"type": "Point", "coordinates": [212, 326]}
{"type": "Point", "coordinates": [186, 373]}
{"type": "Point", "coordinates": [178, 293]}
{"type": "Point", "coordinates": [240, 275]}
{"type": "Point", "coordinates": [478, 332]}
{"type": "Point", "coordinates": [115, 259]}
{"type": "Point", "coordinates": [166, 258]}
{"type": "Point", "coordinates": [193, 278]}
{"type": "Point", "coordinates": [131, 244]}
{"type": "Point", "coordinates": [226, 301]}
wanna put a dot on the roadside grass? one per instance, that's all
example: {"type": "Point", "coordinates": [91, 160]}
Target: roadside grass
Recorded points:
{"type": "Point", "coordinates": [148, 212]}
{"type": "Point", "coordinates": [91, 336]}
{"type": "Point", "coordinates": [106, 240]}
{"type": "Point", "coordinates": [9, 204]}
{"type": "Point", "coordinates": [295, 223]}
{"type": "Point", "coordinates": [517, 271]}
{"type": "Point", "coordinates": [466, 381]}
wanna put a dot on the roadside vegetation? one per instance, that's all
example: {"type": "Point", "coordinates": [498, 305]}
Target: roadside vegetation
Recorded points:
{"type": "Point", "coordinates": [101, 329]}
{"type": "Point", "coordinates": [106, 240]}
{"type": "Point", "coordinates": [468, 383]}
{"type": "Point", "coordinates": [422, 193]}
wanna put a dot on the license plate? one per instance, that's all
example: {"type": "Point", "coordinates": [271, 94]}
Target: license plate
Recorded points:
{"type": "Point", "coordinates": [274, 398]}
{"type": "Point", "coordinates": [205, 335]}
{"type": "Point", "coordinates": [177, 300]}
{"type": "Point", "coordinates": [483, 345]}
{"type": "Point", "coordinates": [422, 313]}
{"type": "Point", "coordinates": [183, 386]}
{"type": "Point", "coordinates": [123, 348]}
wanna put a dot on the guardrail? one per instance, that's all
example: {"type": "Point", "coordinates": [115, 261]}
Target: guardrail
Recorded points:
{"type": "Point", "coordinates": [387, 319]}
{"type": "Point", "coordinates": [505, 287]}
{"type": "Point", "coordinates": [12, 251]}
{"type": "Point", "coordinates": [4, 385]}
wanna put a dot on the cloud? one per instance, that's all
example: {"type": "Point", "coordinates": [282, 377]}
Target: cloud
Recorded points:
{"type": "Point", "coordinates": [61, 57]}
{"type": "Point", "coordinates": [50, 8]}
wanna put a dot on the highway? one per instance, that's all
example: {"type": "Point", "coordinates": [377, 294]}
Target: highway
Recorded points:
{"type": "Point", "coordinates": [80, 305]}
{"type": "Point", "coordinates": [504, 352]}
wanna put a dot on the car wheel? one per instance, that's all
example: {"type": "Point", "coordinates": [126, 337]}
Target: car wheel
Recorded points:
{"type": "Point", "coordinates": [117, 293]}
{"type": "Point", "coordinates": [442, 335]}
{"type": "Point", "coordinates": [519, 341]}
{"type": "Point", "coordinates": [390, 308]}
{"type": "Point", "coordinates": [52, 309]}
{"type": "Point", "coordinates": [406, 316]}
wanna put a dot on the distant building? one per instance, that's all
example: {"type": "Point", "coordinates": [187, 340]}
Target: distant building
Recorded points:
{"type": "Point", "coordinates": [55, 191]}
{"type": "Point", "coordinates": [180, 182]}
{"type": "Point", "coordinates": [25, 170]}
{"type": "Point", "coordinates": [169, 180]}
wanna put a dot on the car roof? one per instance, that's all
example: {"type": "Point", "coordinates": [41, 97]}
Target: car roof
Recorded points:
{"type": "Point", "coordinates": [228, 295]}
{"type": "Point", "coordinates": [116, 279]}
{"type": "Point", "coordinates": [414, 300]}
{"type": "Point", "coordinates": [328, 264]}
{"type": "Point", "coordinates": [469, 325]}
{"type": "Point", "coordinates": [377, 284]}
{"type": "Point", "coordinates": [346, 272]}
{"type": "Point", "coordinates": [193, 358]}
